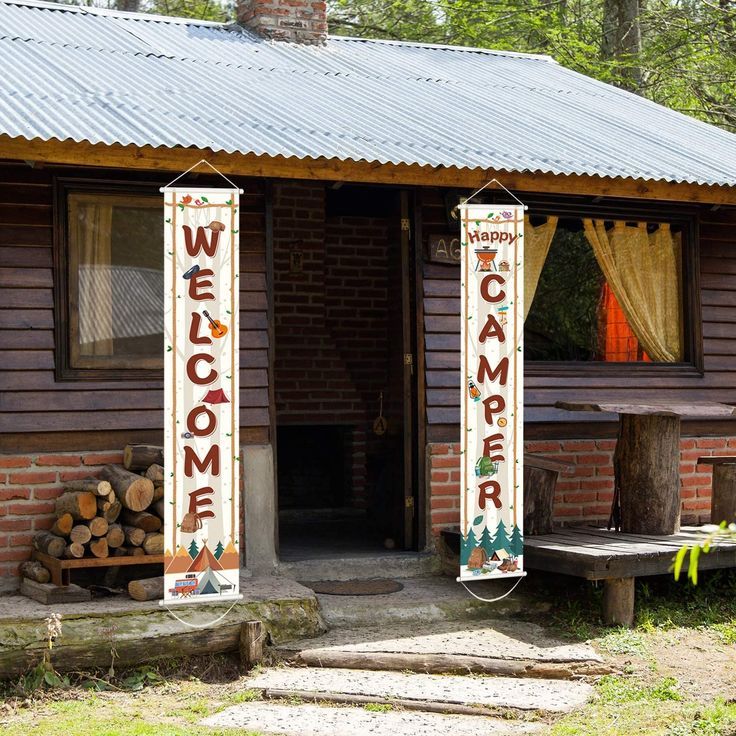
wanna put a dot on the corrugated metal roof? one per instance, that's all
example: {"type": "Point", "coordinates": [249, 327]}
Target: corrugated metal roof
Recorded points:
{"type": "Point", "coordinates": [111, 77]}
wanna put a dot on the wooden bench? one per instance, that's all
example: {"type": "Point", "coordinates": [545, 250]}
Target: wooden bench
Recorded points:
{"type": "Point", "coordinates": [723, 489]}
{"type": "Point", "coordinates": [540, 478]}
{"type": "Point", "coordinates": [617, 559]}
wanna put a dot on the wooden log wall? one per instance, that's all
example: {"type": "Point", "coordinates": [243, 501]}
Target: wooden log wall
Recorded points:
{"type": "Point", "coordinates": [441, 313]}
{"type": "Point", "coordinates": [39, 412]}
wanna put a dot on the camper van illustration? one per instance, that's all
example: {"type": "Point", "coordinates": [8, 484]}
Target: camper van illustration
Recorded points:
{"type": "Point", "coordinates": [184, 587]}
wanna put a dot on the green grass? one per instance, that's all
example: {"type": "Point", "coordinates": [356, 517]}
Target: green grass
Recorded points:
{"type": "Point", "coordinates": [661, 604]}
{"type": "Point", "coordinates": [378, 707]}
{"type": "Point", "coordinates": [93, 717]}
{"type": "Point", "coordinates": [159, 711]}
{"type": "Point", "coordinates": [624, 706]}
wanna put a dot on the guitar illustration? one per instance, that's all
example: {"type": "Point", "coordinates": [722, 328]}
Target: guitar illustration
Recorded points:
{"type": "Point", "coordinates": [216, 327]}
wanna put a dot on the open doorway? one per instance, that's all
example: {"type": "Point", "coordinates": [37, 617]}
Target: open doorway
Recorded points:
{"type": "Point", "coordinates": [341, 377]}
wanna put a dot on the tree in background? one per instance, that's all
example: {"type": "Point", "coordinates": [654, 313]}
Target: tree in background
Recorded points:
{"type": "Point", "coordinates": [219, 550]}
{"type": "Point", "coordinates": [680, 53]}
{"type": "Point", "coordinates": [217, 10]}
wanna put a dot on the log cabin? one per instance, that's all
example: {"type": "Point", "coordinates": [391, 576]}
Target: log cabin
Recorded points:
{"type": "Point", "coordinates": [353, 155]}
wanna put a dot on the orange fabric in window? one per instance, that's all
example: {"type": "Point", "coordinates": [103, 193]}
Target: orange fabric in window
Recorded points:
{"type": "Point", "coordinates": [619, 341]}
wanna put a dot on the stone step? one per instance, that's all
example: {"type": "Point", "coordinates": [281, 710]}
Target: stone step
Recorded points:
{"type": "Point", "coordinates": [500, 647]}
{"type": "Point", "coordinates": [361, 567]}
{"type": "Point", "coordinates": [542, 696]}
{"type": "Point", "coordinates": [318, 720]}
{"type": "Point", "coordinates": [423, 600]}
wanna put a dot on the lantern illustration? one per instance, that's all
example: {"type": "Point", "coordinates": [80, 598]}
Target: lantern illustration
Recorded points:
{"type": "Point", "coordinates": [473, 391]}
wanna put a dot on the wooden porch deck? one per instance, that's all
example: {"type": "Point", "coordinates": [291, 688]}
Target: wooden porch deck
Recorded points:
{"type": "Point", "coordinates": [600, 554]}
{"type": "Point", "coordinates": [617, 559]}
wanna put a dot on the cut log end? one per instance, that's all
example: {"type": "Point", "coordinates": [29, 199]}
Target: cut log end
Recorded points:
{"type": "Point", "coordinates": [98, 526]}
{"type": "Point", "coordinates": [140, 457]}
{"type": "Point", "coordinates": [153, 544]}
{"type": "Point", "coordinates": [132, 490]}
{"type": "Point", "coordinates": [62, 526]}
{"type": "Point", "coordinates": [50, 544]}
{"type": "Point", "coordinates": [82, 505]}
{"type": "Point", "coordinates": [35, 571]}
{"type": "Point", "coordinates": [146, 590]}
{"type": "Point", "coordinates": [99, 548]}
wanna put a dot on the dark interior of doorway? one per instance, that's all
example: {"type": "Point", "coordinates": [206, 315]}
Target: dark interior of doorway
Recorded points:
{"type": "Point", "coordinates": [338, 368]}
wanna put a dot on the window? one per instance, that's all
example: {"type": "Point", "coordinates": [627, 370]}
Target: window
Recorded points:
{"type": "Point", "coordinates": [111, 266]}
{"type": "Point", "coordinates": [608, 291]}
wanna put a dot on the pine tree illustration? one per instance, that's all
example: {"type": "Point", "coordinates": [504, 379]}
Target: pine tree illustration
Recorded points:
{"type": "Point", "coordinates": [517, 542]}
{"type": "Point", "coordinates": [467, 546]}
{"type": "Point", "coordinates": [486, 541]}
{"type": "Point", "coordinates": [193, 549]}
{"type": "Point", "coordinates": [219, 550]}
{"type": "Point", "coordinates": [502, 538]}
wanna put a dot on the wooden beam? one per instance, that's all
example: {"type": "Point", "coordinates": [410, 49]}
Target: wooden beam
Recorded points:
{"type": "Point", "coordinates": [178, 159]}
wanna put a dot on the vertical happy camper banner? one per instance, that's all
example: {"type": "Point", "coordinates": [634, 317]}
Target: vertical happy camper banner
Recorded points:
{"type": "Point", "coordinates": [201, 447]}
{"type": "Point", "coordinates": [492, 365]}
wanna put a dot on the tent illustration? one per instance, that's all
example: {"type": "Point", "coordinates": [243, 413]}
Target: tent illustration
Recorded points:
{"type": "Point", "coordinates": [208, 584]}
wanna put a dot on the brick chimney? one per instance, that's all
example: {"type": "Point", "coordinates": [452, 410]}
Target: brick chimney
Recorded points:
{"type": "Point", "coordinates": [298, 21]}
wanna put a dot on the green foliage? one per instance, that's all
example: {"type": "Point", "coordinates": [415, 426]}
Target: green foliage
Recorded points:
{"type": "Point", "coordinates": [687, 59]}
{"type": "Point", "coordinates": [712, 535]}
{"type": "Point", "coordinates": [661, 604]}
{"type": "Point", "coordinates": [378, 707]}
{"type": "Point", "coordinates": [563, 320]}
{"type": "Point", "coordinates": [617, 689]}
{"type": "Point", "coordinates": [219, 550]}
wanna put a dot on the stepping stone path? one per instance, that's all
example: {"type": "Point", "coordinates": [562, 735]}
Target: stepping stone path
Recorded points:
{"type": "Point", "coordinates": [422, 661]}
{"type": "Point", "coordinates": [492, 647]}
{"type": "Point", "coordinates": [316, 720]}
{"type": "Point", "coordinates": [551, 696]}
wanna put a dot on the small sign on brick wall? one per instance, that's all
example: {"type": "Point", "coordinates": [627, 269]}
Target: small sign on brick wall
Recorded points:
{"type": "Point", "coordinates": [444, 249]}
{"type": "Point", "coordinates": [492, 366]}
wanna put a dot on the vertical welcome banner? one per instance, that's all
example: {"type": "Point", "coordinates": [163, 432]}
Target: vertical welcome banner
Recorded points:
{"type": "Point", "coordinates": [492, 365]}
{"type": "Point", "coordinates": [201, 527]}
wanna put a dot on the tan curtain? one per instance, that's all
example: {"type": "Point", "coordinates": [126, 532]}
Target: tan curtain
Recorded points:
{"type": "Point", "coordinates": [644, 271]}
{"type": "Point", "coordinates": [92, 236]}
{"type": "Point", "coordinates": [536, 246]}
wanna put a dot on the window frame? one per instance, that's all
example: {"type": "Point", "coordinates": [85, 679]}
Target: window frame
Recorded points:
{"type": "Point", "coordinates": [676, 213]}
{"type": "Point", "coordinates": [66, 289]}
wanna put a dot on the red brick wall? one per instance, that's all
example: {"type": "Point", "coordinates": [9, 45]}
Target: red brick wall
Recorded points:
{"type": "Point", "coordinates": [331, 319]}
{"type": "Point", "coordinates": [28, 486]}
{"type": "Point", "coordinates": [585, 497]}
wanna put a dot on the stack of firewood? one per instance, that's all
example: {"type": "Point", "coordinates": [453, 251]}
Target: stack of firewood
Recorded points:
{"type": "Point", "coordinates": [118, 514]}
